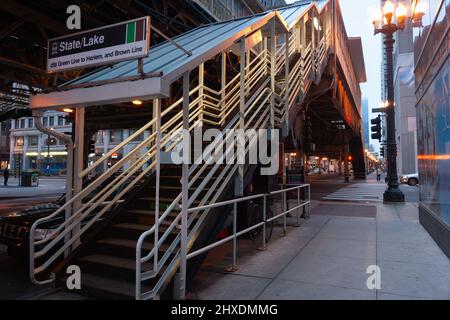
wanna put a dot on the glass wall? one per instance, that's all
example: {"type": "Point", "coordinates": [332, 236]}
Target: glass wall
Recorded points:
{"type": "Point", "coordinates": [433, 108]}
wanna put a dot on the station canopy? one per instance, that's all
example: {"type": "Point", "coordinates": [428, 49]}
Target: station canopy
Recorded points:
{"type": "Point", "coordinates": [123, 82]}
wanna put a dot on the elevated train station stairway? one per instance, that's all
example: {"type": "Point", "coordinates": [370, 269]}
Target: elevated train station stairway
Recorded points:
{"type": "Point", "coordinates": [125, 236]}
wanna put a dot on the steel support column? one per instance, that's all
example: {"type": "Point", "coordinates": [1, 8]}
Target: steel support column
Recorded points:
{"type": "Point", "coordinates": [239, 183]}
{"type": "Point", "coordinates": [180, 280]}
{"type": "Point", "coordinates": [272, 50]}
{"type": "Point", "coordinates": [201, 82]}
{"type": "Point", "coordinates": [286, 82]}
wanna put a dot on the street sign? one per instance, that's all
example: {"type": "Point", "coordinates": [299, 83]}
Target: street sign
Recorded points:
{"type": "Point", "coordinates": [102, 46]}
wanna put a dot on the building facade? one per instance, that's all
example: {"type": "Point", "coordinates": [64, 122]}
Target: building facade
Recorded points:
{"type": "Point", "coordinates": [5, 128]}
{"type": "Point", "coordinates": [432, 71]}
{"type": "Point", "coordinates": [32, 150]}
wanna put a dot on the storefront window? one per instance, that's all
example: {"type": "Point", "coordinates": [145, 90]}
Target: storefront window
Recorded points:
{"type": "Point", "coordinates": [33, 140]}
{"type": "Point", "coordinates": [18, 141]}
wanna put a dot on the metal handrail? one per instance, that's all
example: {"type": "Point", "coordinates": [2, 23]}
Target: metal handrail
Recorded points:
{"type": "Point", "coordinates": [225, 106]}
{"type": "Point", "coordinates": [265, 220]}
{"type": "Point", "coordinates": [99, 199]}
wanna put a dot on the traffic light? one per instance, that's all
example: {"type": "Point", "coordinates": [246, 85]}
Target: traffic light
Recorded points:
{"type": "Point", "coordinates": [376, 128]}
{"type": "Point", "coordinates": [91, 146]}
{"type": "Point", "coordinates": [382, 152]}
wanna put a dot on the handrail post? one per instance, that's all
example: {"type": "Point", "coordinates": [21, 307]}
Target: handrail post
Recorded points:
{"type": "Point", "coordinates": [69, 190]}
{"type": "Point", "coordinates": [298, 205]}
{"type": "Point", "coordinates": [309, 201]}
{"type": "Point", "coordinates": [180, 283]}
{"type": "Point", "coordinates": [265, 223]}
{"type": "Point", "coordinates": [285, 214]}
{"type": "Point", "coordinates": [235, 237]}
{"type": "Point", "coordinates": [78, 164]}
{"type": "Point", "coordinates": [233, 267]}
{"type": "Point", "coordinates": [157, 108]}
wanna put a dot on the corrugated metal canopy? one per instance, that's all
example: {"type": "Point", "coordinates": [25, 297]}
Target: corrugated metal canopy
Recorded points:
{"type": "Point", "coordinates": [293, 13]}
{"type": "Point", "coordinates": [167, 59]}
{"type": "Point", "coordinates": [110, 84]}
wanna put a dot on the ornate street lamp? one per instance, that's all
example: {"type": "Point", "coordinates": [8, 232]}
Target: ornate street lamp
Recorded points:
{"type": "Point", "coordinates": [387, 21]}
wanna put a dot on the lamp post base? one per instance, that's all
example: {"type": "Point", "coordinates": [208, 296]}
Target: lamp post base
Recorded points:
{"type": "Point", "coordinates": [393, 194]}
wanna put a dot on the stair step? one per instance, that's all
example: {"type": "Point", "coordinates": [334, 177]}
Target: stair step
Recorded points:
{"type": "Point", "coordinates": [134, 230]}
{"type": "Point", "coordinates": [162, 200]}
{"type": "Point", "coordinates": [151, 213]}
{"type": "Point", "coordinates": [124, 247]}
{"type": "Point", "coordinates": [108, 288]}
{"type": "Point", "coordinates": [111, 261]}
{"type": "Point", "coordinates": [112, 266]}
{"type": "Point", "coordinates": [179, 188]}
{"type": "Point", "coordinates": [152, 199]}
{"type": "Point", "coordinates": [128, 243]}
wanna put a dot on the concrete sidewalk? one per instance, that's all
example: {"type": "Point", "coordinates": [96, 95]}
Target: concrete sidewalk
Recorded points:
{"type": "Point", "coordinates": [48, 186]}
{"type": "Point", "coordinates": [327, 258]}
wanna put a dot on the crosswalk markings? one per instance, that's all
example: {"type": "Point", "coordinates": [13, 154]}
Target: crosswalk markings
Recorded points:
{"type": "Point", "coordinates": [358, 192]}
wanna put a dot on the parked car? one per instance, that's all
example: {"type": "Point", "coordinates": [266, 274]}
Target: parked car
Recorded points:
{"type": "Point", "coordinates": [15, 227]}
{"type": "Point", "coordinates": [410, 179]}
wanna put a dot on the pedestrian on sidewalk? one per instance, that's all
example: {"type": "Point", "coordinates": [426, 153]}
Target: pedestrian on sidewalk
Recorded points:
{"type": "Point", "coordinates": [379, 172]}
{"type": "Point", "coordinates": [5, 176]}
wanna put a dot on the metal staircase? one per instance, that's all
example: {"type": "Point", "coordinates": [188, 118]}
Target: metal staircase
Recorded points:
{"type": "Point", "coordinates": [139, 252]}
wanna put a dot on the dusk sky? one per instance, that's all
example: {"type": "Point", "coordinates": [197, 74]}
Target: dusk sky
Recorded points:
{"type": "Point", "coordinates": [357, 22]}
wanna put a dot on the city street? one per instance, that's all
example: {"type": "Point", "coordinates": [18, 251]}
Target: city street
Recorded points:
{"type": "Point", "coordinates": [236, 150]}
{"type": "Point", "coordinates": [14, 198]}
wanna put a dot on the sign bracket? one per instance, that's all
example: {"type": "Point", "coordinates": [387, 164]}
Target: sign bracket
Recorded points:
{"type": "Point", "coordinates": [189, 53]}
{"type": "Point", "coordinates": [141, 68]}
